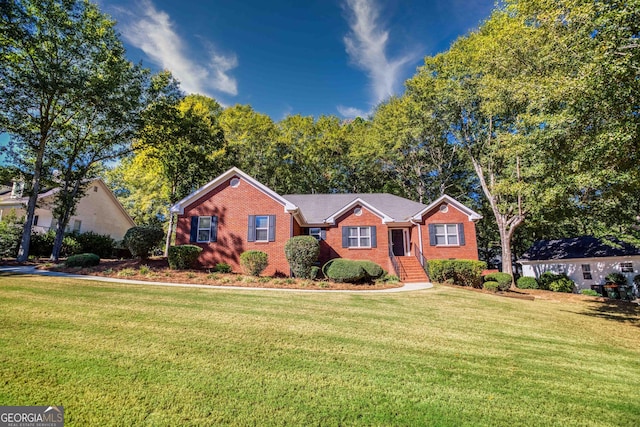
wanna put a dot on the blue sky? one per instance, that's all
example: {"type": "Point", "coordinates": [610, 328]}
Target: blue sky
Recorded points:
{"type": "Point", "coordinates": [284, 57]}
{"type": "Point", "coordinates": [309, 57]}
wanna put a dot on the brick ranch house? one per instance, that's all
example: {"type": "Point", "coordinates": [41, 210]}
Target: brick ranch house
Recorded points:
{"type": "Point", "coordinates": [234, 213]}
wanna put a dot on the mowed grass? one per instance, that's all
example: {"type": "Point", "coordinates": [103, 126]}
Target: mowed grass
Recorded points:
{"type": "Point", "coordinates": [116, 354]}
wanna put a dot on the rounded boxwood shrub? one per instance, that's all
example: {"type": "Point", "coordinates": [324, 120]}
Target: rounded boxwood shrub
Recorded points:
{"type": "Point", "coordinates": [222, 267]}
{"type": "Point", "coordinates": [142, 239]}
{"type": "Point", "coordinates": [302, 253]}
{"type": "Point", "coordinates": [254, 262]}
{"type": "Point", "coordinates": [503, 279]}
{"type": "Point", "coordinates": [373, 270]}
{"type": "Point", "coordinates": [525, 282]}
{"type": "Point", "coordinates": [344, 270]}
{"type": "Point", "coordinates": [491, 286]}
{"type": "Point", "coordinates": [562, 284]}
{"type": "Point", "coordinates": [82, 260]}
{"type": "Point", "coordinates": [589, 292]}
{"type": "Point", "coordinates": [183, 257]}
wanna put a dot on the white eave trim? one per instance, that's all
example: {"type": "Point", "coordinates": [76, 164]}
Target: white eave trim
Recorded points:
{"type": "Point", "coordinates": [191, 198]}
{"type": "Point", "coordinates": [473, 215]}
{"type": "Point", "coordinates": [358, 201]}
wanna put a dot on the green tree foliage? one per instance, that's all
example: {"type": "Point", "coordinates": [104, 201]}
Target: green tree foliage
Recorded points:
{"type": "Point", "coordinates": [55, 57]}
{"type": "Point", "coordinates": [10, 232]}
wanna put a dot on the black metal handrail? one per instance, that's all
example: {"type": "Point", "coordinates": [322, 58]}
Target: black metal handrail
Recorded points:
{"type": "Point", "coordinates": [421, 258]}
{"type": "Point", "coordinates": [400, 272]}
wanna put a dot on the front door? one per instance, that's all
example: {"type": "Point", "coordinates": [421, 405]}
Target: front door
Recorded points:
{"type": "Point", "coordinates": [397, 242]}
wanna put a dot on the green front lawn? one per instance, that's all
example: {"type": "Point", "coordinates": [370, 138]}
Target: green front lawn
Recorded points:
{"type": "Point", "coordinates": [116, 354]}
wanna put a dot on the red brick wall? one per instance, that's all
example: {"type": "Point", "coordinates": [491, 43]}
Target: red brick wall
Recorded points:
{"type": "Point", "coordinates": [379, 254]}
{"type": "Point", "coordinates": [452, 216]}
{"type": "Point", "coordinates": [233, 207]}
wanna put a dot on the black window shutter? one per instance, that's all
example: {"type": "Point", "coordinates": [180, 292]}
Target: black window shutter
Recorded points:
{"type": "Point", "coordinates": [432, 234]}
{"type": "Point", "coordinates": [214, 229]}
{"type": "Point", "coordinates": [345, 237]}
{"type": "Point", "coordinates": [193, 233]}
{"type": "Point", "coordinates": [461, 240]}
{"type": "Point", "coordinates": [323, 234]}
{"type": "Point", "coordinates": [374, 237]}
{"type": "Point", "coordinates": [251, 236]}
{"type": "Point", "coordinates": [272, 228]}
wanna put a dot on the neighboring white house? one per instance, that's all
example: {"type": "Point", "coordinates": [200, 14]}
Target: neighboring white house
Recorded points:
{"type": "Point", "coordinates": [98, 211]}
{"type": "Point", "coordinates": [586, 260]}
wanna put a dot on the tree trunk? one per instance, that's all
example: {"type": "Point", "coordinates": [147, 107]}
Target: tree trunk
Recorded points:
{"type": "Point", "coordinates": [23, 252]}
{"type": "Point", "coordinates": [67, 205]}
{"type": "Point", "coordinates": [167, 243]}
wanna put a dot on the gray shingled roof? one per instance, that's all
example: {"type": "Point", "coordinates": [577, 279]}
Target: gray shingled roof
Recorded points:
{"type": "Point", "coordinates": [579, 247]}
{"type": "Point", "coordinates": [318, 207]}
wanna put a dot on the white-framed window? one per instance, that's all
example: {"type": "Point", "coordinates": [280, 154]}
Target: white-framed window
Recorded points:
{"type": "Point", "coordinates": [315, 232]}
{"type": "Point", "coordinates": [586, 272]}
{"type": "Point", "coordinates": [446, 234]}
{"type": "Point", "coordinates": [262, 228]}
{"type": "Point", "coordinates": [626, 267]}
{"type": "Point", "coordinates": [76, 225]}
{"type": "Point", "coordinates": [359, 237]}
{"type": "Point", "coordinates": [204, 229]}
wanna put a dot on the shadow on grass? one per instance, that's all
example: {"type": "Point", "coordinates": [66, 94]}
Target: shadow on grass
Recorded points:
{"type": "Point", "coordinates": [618, 311]}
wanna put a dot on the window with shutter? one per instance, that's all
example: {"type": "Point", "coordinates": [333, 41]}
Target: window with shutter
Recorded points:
{"type": "Point", "coordinates": [446, 234]}
{"type": "Point", "coordinates": [358, 237]}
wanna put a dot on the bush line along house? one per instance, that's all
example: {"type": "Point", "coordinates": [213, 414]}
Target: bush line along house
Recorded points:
{"type": "Point", "coordinates": [234, 213]}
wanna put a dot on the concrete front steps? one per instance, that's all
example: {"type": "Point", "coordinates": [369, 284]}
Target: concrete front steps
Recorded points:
{"type": "Point", "coordinates": [410, 270]}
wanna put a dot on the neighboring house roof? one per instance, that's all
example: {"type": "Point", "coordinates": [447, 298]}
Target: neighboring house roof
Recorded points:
{"type": "Point", "coordinates": [579, 247]}
{"type": "Point", "coordinates": [7, 200]}
{"type": "Point", "coordinates": [321, 208]}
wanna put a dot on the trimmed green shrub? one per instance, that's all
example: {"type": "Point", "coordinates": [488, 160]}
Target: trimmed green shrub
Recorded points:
{"type": "Point", "coordinates": [460, 271]}
{"type": "Point", "coordinates": [315, 271]}
{"type": "Point", "coordinates": [491, 286]}
{"type": "Point", "coordinates": [141, 240]}
{"type": "Point", "coordinates": [504, 280]}
{"type": "Point", "coordinates": [389, 278]}
{"type": "Point", "coordinates": [183, 257]}
{"type": "Point", "coordinates": [82, 260]}
{"type": "Point", "coordinates": [589, 292]}
{"type": "Point", "coordinates": [373, 270]}
{"type": "Point", "coordinates": [254, 262]}
{"type": "Point", "coordinates": [527, 283]}
{"type": "Point", "coordinates": [99, 244]}
{"type": "Point", "coordinates": [302, 253]}
{"type": "Point", "coordinates": [222, 267]}
{"type": "Point", "coordinates": [563, 284]}
{"type": "Point", "coordinates": [344, 270]}
{"type": "Point", "coordinates": [10, 234]}
{"type": "Point", "coordinates": [42, 244]}
{"type": "Point", "coordinates": [546, 279]}
{"type": "Point", "coordinates": [617, 278]}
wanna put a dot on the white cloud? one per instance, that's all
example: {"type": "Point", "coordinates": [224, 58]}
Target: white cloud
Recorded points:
{"type": "Point", "coordinates": [352, 113]}
{"type": "Point", "coordinates": [153, 32]}
{"type": "Point", "coordinates": [366, 46]}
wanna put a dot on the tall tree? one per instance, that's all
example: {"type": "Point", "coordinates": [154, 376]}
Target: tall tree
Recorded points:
{"type": "Point", "coordinates": [51, 52]}
{"type": "Point", "coordinates": [187, 141]}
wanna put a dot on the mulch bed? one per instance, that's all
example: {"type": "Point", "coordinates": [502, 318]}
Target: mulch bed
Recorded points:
{"type": "Point", "coordinates": [157, 270]}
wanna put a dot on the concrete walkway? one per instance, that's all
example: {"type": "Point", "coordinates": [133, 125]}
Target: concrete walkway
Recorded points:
{"type": "Point", "coordinates": [407, 287]}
